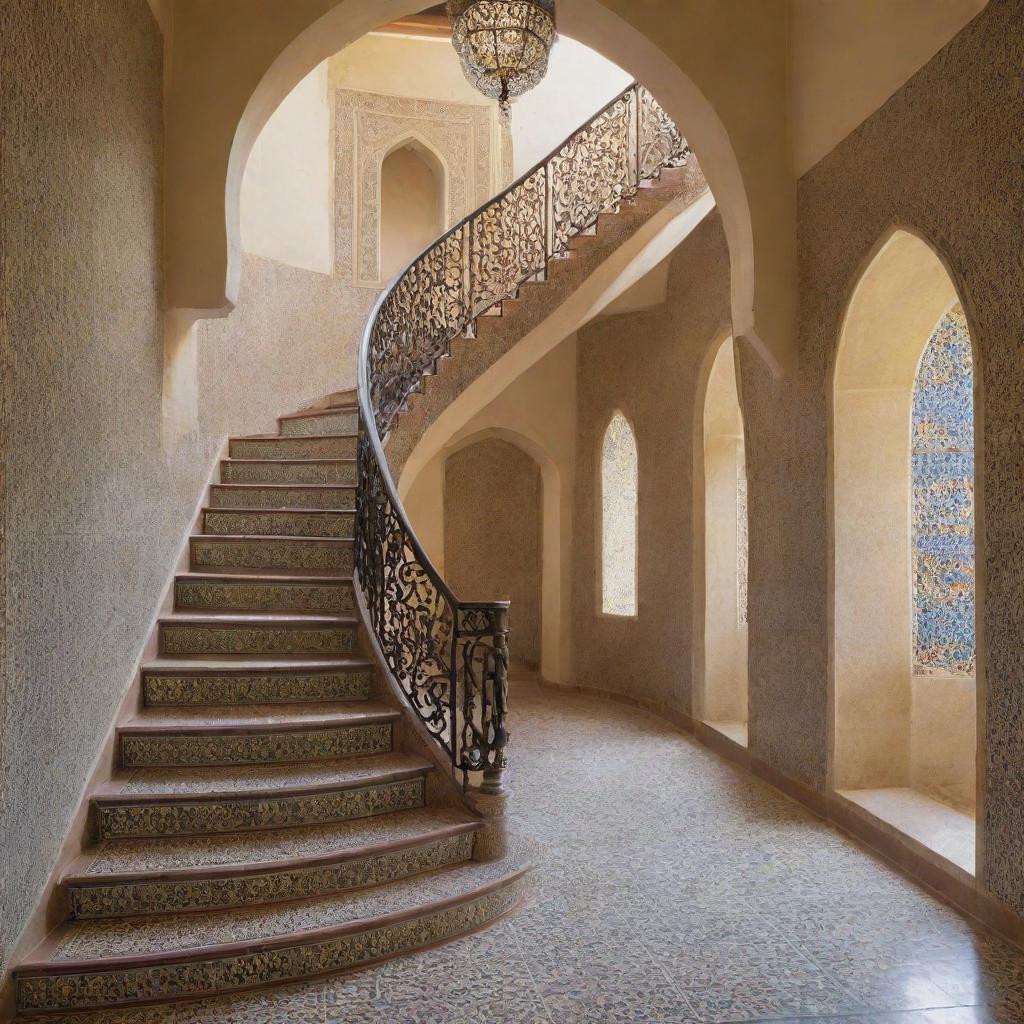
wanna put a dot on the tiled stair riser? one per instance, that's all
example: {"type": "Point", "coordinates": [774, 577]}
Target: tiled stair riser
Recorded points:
{"type": "Point", "coordinates": [184, 749]}
{"type": "Point", "coordinates": [280, 472]}
{"type": "Point", "coordinates": [293, 556]}
{"type": "Point", "coordinates": [279, 524]}
{"type": "Point", "coordinates": [170, 690]}
{"type": "Point", "coordinates": [294, 448]}
{"type": "Point", "coordinates": [114, 987]}
{"type": "Point", "coordinates": [326, 598]}
{"type": "Point", "coordinates": [145, 820]}
{"type": "Point", "coordinates": [198, 638]}
{"type": "Point", "coordinates": [172, 896]}
{"type": "Point", "coordinates": [257, 497]}
{"type": "Point", "coordinates": [329, 423]}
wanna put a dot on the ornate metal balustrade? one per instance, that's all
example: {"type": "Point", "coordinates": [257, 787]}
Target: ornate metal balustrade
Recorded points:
{"type": "Point", "coordinates": [451, 657]}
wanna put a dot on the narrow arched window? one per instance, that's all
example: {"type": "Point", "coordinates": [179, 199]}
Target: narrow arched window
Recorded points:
{"type": "Point", "coordinates": [942, 512]}
{"type": "Point", "coordinates": [618, 518]}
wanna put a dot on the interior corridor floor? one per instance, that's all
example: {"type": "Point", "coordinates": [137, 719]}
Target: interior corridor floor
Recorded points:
{"type": "Point", "coordinates": [673, 887]}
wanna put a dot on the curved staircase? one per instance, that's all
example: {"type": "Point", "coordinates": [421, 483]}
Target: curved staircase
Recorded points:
{"type": "Point", "coordinates": [286, 804]}
{"type": "Point", "coordinates": [271, 819]}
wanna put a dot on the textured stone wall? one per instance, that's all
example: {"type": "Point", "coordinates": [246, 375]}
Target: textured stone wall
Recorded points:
{"type": "Point", "coordinates": [94, 508]}
{"type": "Point", "coordinates": [943, 157]}
{"type": "Point", "coordinates": [648, 365]}
{"type": "Point", "coordinates": [492, 535]}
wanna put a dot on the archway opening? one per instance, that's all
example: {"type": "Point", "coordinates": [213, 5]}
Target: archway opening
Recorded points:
{"type": "Point", "coordinates": [904, 598]}
{"type": "Point", "coordinates": [412, 205]}
{"type": "Point", "coordinates": [493, 550]}
{"type": "Point", "coordinates": [723, 696]}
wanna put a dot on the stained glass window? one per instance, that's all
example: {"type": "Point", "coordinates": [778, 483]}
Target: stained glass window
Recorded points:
{"type": "Point", "coordinates": [618, 518]}
{"type": "Point", "coordinates": [942, 514]}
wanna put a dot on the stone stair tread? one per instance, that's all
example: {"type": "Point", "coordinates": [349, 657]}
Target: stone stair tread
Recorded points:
{"type": "Point", "coordinates": [106, 942]}
{"type": "Point", "coordinates": [182, 853]}
{"type": "Point", "coordinates": [258, 576]}
{"type": "Point", "coordinates": [242, 663]}
{"type": "Point", "coordinates": [285, 462]}
{"type": "Point", "coordinates": [249, 780]}
{"type": "Point", "coordinates": [218, 538]}
{"type": "Point", "coordinates": [241, 509]}
{"type": "Point", "coordinates": [257, 716]}
{"type": "Point", "coordinates": [279, 437]}
{"type": "Point", "coordinates": [259, 618]}
{"type": "Point", "coordinates": [327, 410]}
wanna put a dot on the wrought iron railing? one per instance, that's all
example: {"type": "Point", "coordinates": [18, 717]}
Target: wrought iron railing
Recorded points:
{"type": "Point", "coordinates": [450, 657]}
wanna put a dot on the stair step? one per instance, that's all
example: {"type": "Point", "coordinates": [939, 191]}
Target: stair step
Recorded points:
{"type": "Point", "coordinates": [255, 734]}
{"type": "Point", "coordinates": [316, 595]}
{"type": "Point", "coordinates": [288, 471]}
{"type": "Point", "coordinates": [320, 422]}
{"type": "Point", "coordinates": [182, 635]}
{"type": "Point", "coordinates": [171, 683]}
{"type": "Point", "coordinates": [334, 859]}
{"type": "Point", "coordinates": [93, 965]}
{"type": "Point", "coordinates": [278, 522]}
{"type": "Point", "coordinates": [326, 446]}
{"type": "Point", "coordinates": [283, 496]}
{"type": "Point", "coordinates": [176, 803]}
{"type": "Point", "coordinates": [288, 555]}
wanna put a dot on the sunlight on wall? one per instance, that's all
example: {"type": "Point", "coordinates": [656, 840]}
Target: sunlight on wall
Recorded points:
{"type": "Point", "coordinates": [942, 468]}
{"type": "Point", "coordinates": [618, 518]}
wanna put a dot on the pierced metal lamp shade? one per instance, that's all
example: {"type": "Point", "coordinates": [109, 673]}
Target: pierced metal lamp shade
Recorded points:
{"type": "Point", "coordinates": [503, 44]}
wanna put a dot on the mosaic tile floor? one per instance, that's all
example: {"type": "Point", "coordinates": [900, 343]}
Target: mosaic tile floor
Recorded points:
{"type": "Point", "coordinates": [673, 888]}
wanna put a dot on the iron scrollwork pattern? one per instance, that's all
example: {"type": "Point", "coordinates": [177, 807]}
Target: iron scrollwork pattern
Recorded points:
{"type": "Point", "coordinates": [450, 658]}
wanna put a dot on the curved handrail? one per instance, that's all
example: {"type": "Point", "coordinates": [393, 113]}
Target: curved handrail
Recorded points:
{"type": "Point", "coordinates": [450, 657]}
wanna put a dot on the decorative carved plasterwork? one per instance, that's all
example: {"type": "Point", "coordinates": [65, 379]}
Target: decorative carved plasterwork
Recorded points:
{"type": "Point", "coordinates": [368, 126]}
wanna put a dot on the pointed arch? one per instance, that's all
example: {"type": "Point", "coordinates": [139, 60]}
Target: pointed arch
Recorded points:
{"type": "Point", "coordinates": [412, 183]}
{"type": "Point", "coordinates": [904, 607]}
{"type": "Point", "coordinates": [620, 478]}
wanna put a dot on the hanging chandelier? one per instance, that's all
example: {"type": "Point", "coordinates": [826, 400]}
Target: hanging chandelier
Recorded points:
{"type": "Point", "coordinates": [503, 45]}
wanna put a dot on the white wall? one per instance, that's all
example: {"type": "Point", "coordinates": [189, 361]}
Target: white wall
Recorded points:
{"type": "Point", "coordinates": [286, 191]}
{"type": "Point", "coordinates": [578, 83]}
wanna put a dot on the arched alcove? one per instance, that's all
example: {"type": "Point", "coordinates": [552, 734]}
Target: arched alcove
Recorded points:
{"type": "Point", "coordinates": [412, 204]}
{"type": "Point", "coordinates": [722, 697]}
{"type": "Point", "coordinates": [619, 519]}
{"type": "Point", "coordinates": [494, 549]}
{"type": "Point", "coordinates": [904, 689]}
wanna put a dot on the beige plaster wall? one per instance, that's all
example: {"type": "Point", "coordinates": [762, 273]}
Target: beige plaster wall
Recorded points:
{"type": "Point", "coordinates": [896, 169]}
{"type": "Point", "coordinates": [648, 364]}
{"type": "Point", "coordinates": [850, 56]}
{"type": "Point", "coordinates": [287, 209]}
{"type": "Point", "coordinates": [722, 696]}
{"type": "Point", "coordinates": [578, 84]}
{"type": "Point", "coordinates": [96, 506]}
{"type": "Point", "coordinates": [493, 547]}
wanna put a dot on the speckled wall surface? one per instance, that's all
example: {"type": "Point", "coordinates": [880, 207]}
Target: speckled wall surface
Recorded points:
{"type": "Point", "coordinates": [94, 508]}
{"type": "Point", "coordinates": [942, 157]}
{"type": "Point", "coordinates": [488, 541]}
{"type": "Point", "coordinates": [291, 339]}
{"type": "Point", "coordinates": [647, 365]}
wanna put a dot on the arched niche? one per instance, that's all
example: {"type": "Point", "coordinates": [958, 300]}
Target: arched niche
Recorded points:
{"type": "Point", "coordinates": [904, 719]}
{"type": "Point", "coordinates": [722, 689]}
{"type": "Point", "coordinates": [413, 204]}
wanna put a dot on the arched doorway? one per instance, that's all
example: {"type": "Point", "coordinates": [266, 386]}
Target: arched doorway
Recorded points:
{"type": "Point", "coordinates": [722, 700]}
{"type": "Point", "coordinates": [905, 694]}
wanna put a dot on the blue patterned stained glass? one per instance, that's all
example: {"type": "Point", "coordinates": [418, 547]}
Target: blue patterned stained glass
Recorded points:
{"type": "Point", "coordinates": [942, 471]}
